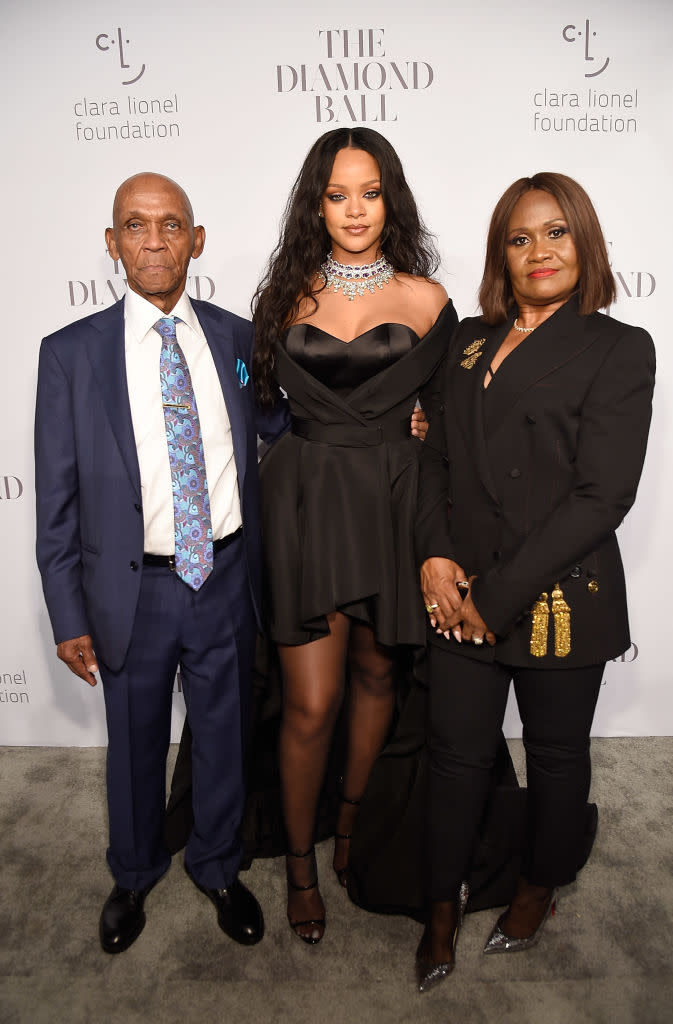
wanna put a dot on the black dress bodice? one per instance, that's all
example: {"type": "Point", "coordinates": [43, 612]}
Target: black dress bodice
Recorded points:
{"type": "Point", "coordinates": [343, 365]}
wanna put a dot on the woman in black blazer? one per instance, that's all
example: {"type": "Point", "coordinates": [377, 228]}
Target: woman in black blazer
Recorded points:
{"type": "Point", "coordinates": [529, 466]}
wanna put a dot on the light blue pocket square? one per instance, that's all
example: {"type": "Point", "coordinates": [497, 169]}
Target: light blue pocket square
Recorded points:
{"type": "Point", "coordinates": [242, 373]}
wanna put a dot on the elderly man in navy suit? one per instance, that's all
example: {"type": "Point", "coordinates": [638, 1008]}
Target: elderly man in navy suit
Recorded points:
{"type": "Point", "coordinates": [149, 549]}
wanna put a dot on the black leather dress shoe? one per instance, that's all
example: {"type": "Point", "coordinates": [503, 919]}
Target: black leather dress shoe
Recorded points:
{"type": "Point", "coordinates": [122, 919]}
{"type": "Point", "coordinates": [239, 914]}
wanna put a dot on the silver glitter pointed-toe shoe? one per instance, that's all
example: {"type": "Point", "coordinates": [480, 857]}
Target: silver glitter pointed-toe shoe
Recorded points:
{"type": "Point", "coordinates": [499, 942]}
{"type": "Point", "coordinates": [429, 974]}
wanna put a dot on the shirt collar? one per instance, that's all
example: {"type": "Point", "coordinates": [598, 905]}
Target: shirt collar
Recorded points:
{"type": "Point", "coordinates": [140, 315]}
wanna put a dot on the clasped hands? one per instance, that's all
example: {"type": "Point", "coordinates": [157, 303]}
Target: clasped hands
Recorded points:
{"type": "Point", "coordinates": [451, 613]}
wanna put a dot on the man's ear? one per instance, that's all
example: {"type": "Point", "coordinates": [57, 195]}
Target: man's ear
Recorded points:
{"type": "Point", "coordinates": [111, 244]}
{"type": "Point", "coordinates": [199, 241]}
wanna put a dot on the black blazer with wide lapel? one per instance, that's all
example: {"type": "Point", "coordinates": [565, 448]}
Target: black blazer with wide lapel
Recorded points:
{"type": "Point", "coordinates": [539, 470]}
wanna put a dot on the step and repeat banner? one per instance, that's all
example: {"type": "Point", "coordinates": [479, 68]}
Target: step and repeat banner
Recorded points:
{"type": "Point", "coordinates": [226, 98]}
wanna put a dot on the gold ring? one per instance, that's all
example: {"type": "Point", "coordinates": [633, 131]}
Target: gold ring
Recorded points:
{"type": "Point", "coordinates": [431, 607]}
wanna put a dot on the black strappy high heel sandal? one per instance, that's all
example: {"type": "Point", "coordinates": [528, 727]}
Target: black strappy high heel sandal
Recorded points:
{"type": "Point", "coordinates": [342, 873]}
{"type": "Point", "coordinates": [316, 922]}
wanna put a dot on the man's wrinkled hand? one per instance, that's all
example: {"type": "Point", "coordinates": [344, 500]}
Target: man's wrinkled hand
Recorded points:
{"type": "Point", "coordinates": [78, 655]}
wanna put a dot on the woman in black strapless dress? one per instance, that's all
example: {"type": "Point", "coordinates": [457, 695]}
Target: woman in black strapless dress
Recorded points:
{"type": "Point", "coordinates": [352, 336]}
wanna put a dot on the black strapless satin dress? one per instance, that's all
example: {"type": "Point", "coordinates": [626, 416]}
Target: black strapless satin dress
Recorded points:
{"type": "Point", "coordinates": [339, 491]}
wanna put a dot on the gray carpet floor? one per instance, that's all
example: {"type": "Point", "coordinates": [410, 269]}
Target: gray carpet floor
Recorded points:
{"type": "Point", "coordinates": [606, 956]}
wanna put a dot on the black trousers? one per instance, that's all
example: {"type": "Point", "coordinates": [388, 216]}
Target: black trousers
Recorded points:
{"type": "Point", "coordinates": [466, 712]}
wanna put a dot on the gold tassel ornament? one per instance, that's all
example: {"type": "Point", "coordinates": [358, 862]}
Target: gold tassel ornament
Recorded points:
{"type": "Point", "coordinates": [560, 609]}
{"type": "Point", "coordinates": [538, 636]}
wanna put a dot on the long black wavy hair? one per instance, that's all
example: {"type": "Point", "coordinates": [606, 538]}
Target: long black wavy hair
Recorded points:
{"type": "Point", "coordinates": [290, 276]}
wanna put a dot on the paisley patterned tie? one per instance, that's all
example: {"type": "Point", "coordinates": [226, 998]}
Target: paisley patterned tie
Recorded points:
{"type": "Point", "coordinates": [191, 503]}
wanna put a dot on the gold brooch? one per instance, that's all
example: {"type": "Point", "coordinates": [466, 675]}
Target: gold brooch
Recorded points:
{"type": "Point", "coordinates": [473, 352]}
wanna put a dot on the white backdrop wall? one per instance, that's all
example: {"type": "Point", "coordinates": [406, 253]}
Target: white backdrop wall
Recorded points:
{"type": "Point", "coordinates": [227, 99]}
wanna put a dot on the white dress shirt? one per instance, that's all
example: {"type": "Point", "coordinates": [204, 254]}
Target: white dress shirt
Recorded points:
{"type": "Point", "coordinates": [143, 350]}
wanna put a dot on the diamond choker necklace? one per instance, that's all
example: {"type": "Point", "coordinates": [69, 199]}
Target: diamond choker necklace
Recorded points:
{"type": "Point", "coordinates": [354, 281]}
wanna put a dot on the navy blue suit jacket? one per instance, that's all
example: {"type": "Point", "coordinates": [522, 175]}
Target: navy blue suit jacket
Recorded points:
{"type": "Point", "coordinates": [89, 508]}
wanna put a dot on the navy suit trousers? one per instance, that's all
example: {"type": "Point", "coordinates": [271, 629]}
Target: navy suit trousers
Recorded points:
{"type": "Point", "coordinates": [210, 635]}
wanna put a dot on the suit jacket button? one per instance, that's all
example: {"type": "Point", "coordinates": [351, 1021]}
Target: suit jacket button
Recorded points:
{"type": "Point", "coordinates": [576, 571]}
{"type": "Point", "coordinates": [138, 507]}
{"type": "Point", "coordinates": [592, 586]}
{"type": "Point", "coordinates": [134, 566]}
{"type": "Point", "coordinates": [530, 419]}
{"type": "Point", "coordinates": [514, 473]}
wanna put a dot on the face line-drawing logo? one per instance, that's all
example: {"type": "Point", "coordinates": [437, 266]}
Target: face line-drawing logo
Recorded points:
{"type": "Point", "coordinates": [569, 38]}
{"type": "Point", "coordinates": [102, 45]}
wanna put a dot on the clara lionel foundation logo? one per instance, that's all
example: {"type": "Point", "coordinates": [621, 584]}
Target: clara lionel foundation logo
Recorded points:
{"type": "Point", "coordinates": [354, 79]}
{"type": "Point", "coordinates": [124, 116]}
{"type": "Point", "coordinates": [14, 688]}
{"type": "Point", "coordinates": [95, 293]}
{"type": "Point", "coordinates": [593, 107]}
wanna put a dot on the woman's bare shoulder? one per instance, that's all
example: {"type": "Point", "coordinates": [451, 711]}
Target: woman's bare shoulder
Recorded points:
{"type": "Point", "coordinates": [431, 294]}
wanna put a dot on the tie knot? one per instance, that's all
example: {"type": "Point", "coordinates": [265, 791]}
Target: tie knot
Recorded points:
{"type": "Point", "coordinates": [166, 327]}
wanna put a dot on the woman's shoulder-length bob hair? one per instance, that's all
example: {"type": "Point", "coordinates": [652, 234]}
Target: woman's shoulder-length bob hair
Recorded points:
{"type": "Point", "coordinates": [596, 284]}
